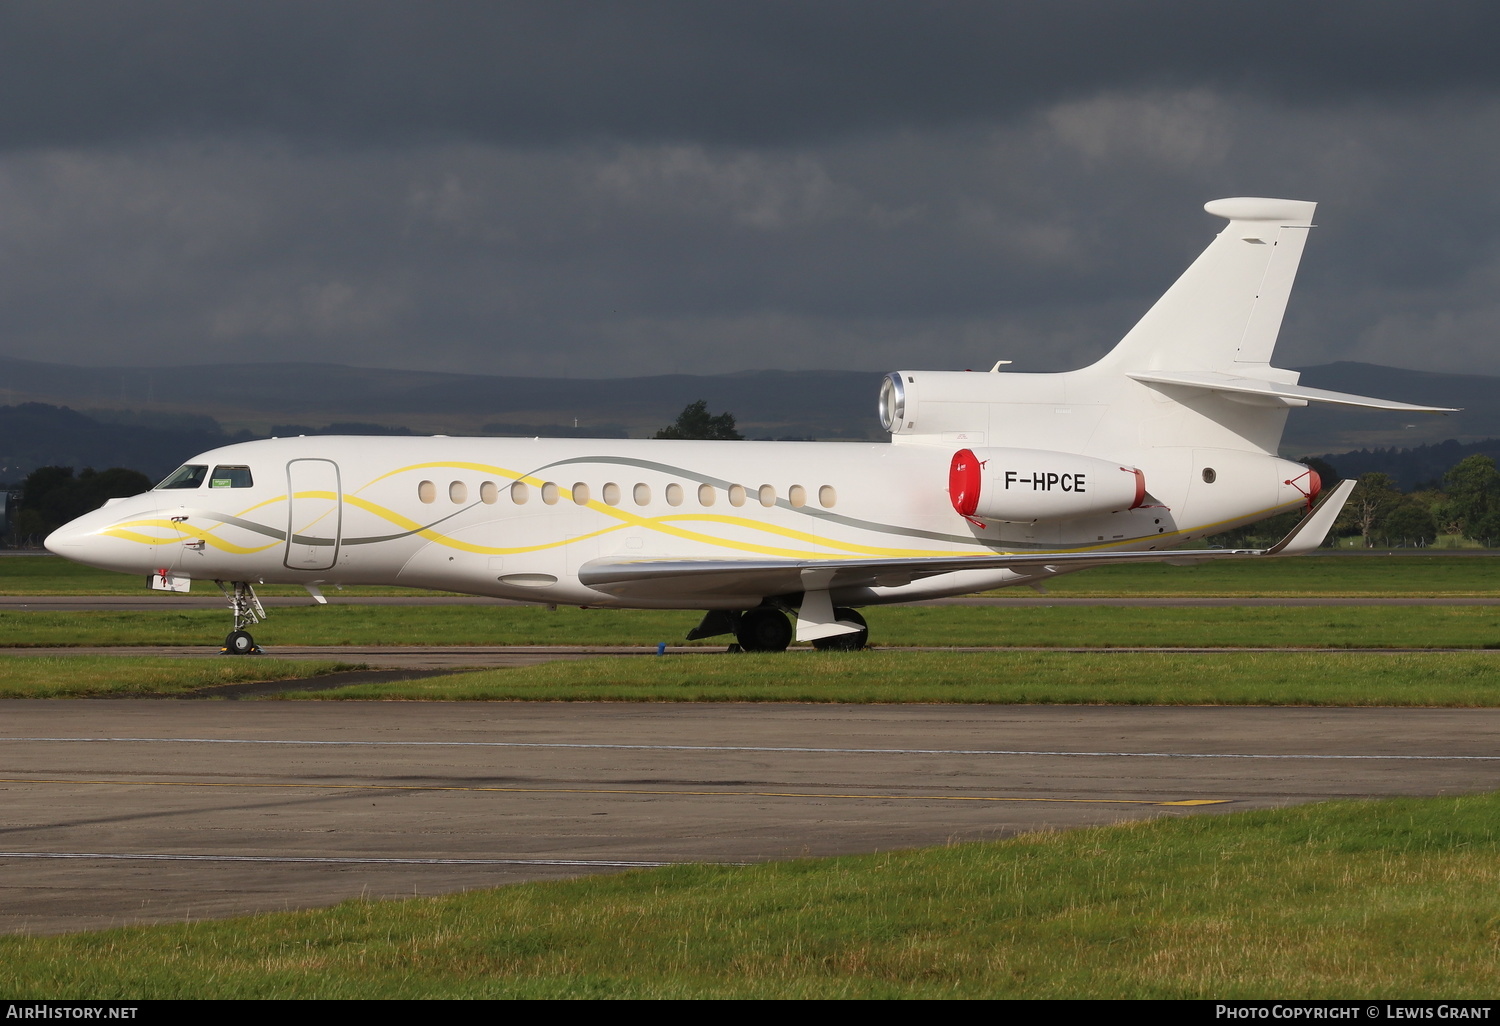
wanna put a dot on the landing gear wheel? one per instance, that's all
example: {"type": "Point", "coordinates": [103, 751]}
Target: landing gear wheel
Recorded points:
{"type": "Point", "coordinates": [852, 642]}
{"type": "Point", "coordinates": [240, 643]}
{"type": "Point", "coordinates": [247, 612]}
{"type": "Point", "coordinates": [764, 630]}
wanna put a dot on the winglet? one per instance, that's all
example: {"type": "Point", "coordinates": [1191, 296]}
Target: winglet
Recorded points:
{"type": "Point", "coordinates": [1313, 528]}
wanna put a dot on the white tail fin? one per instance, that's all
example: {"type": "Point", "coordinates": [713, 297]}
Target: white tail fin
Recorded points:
{"type": "Point", "coordinates": [1225, 312]}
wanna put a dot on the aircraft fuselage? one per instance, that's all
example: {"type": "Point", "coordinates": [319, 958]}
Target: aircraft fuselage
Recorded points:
{"type": "Point", "coordinates": [518, 518]}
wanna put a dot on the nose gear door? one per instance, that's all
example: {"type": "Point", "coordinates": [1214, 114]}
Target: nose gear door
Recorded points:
{"type": "Point", "coordinates": [315, 512]}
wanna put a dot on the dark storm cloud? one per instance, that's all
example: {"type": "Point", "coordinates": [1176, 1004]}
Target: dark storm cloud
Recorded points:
{"type": "Point", "coordinates": [719, 73]}
{"type": "Point", "coordinates": [613, 188]}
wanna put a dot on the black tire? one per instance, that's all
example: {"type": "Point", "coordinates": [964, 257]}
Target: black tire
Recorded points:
{"type": "Point", "coordinates": [764, 630]}
{"type": "Point", "coordinates": [239, 643]}
{"type": "Point", "coordinates": [846, 642]}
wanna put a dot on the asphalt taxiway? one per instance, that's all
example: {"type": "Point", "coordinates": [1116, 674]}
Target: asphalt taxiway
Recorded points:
{"type": "Point", "coordinates": [121, 811]}
{"type": "Point", "coordinates": [430, 660]}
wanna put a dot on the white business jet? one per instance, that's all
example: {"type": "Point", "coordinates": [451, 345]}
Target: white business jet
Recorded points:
{"type": "Point", "coordinates": [989, 480]}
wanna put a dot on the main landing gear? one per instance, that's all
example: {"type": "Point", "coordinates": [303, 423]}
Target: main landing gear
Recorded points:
{"type": "Point", "coordinates": [846, 642]}
{"type": "Point", "coordinates": [247, 612]}
{"type": "Point", "coordinates": [767, 629]}
{"type": "Point", "coordinates": [763, 630]}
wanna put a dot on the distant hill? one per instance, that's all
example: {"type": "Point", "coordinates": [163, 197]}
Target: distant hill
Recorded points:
{"type": "Point", "coordinates": [810, 404]}
{"type": "Point", "coordinates": [1320, 428]}
{"type": "Point", "coordinates": [38, 435]}
{"type": "Point", "coordinates": [150, 418]}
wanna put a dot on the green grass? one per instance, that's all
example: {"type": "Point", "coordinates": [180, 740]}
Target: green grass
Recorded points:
{"type": "Point", "coordinates": [52, 575]}
{"type": "Point", "coordinates": [1372, 576]}
{"type": "Point", "coordinates": [1040, 624]}
{"type": "Point", "coordinates": [1257, 678]}
{"type": "Point", "coordinates": [98, 676]}
{"type": "Point", "coordinates": [1364, 575]}
{"type": "Point", "coordinates": [1351, 900]}
{"type": "Point", "coordinates": [1260, 678]}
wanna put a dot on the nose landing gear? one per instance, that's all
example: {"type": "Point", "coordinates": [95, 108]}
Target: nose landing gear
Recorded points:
{"type": "Point", "coordinates": [247, 612]}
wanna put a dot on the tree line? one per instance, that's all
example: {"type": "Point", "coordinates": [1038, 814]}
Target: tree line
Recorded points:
{"type": "Point", "coordinates": [1464, 503]}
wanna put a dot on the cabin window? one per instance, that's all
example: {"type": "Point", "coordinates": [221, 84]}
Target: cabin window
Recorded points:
{"type": "Point", "coordinates": [611, 493]}
{"type": "Point", "coordinates": [1209, 477]}
{"type": "Point", "coordinates": [581, 493]}
{"type": "Point", "coordinates": [190, 476]}
{"type": "Point", "coordinates": [641, 493]}
{"type": "Point", "coordinates": [550, 493]}
{"type": "Point", "coordinates": [767, 496]}
{"type": "Point", "coordinates": [797, 495]}
{"type": "Point", "coordinates": [674, 494]}
{"type": "Point", "coordinates": [231, 477]}
{"type": "Point", "coordinates": [705, 495]}
{"type": "Point", "coordinates": [736, 495]}
{"type": "Point", "coordinates": [427, 491]}
{"type": "Point", "coordinates": [519, 493]}
{"type": "Point", "coordinates": [827, 496]}
{"type": "Point", "coordinates": [488, 493]}
{"type": "Point", "coordinates": [458, 492]}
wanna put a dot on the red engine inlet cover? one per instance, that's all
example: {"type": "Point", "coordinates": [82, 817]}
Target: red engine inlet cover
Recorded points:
{"type": "Point", "coordinates": [963, 482]}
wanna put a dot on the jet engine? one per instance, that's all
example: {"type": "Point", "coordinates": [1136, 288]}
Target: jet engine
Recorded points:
{"type": "Point", "coordinates": [1022, 486]}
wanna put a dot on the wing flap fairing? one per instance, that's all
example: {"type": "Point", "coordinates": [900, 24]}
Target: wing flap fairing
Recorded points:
{"type": "Point", "coordinates": [718, 578]}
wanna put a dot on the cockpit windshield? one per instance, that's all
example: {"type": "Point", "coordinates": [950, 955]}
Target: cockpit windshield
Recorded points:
{"type": "Point", "coordinates": [190, 476]}
{"type": "Point", "coordinates": [231, 477]}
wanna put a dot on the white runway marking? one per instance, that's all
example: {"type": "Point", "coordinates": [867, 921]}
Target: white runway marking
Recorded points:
{"type": "Point", "coordinates": [743, 748]}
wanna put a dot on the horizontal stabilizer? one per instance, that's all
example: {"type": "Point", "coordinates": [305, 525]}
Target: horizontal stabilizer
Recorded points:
{"type": "Point", "coordinates": [1216, 382]}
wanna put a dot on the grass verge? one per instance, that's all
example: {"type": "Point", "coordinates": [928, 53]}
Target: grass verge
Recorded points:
{"type": "Point", "coordinates": [1240, 678]}
{"type": "Point", "coordinates": [53, 575]}
{"type": "Point", "coordinates": [97, 676]}
{"type": "Point", "coordinates": [1061, 626]}
{"type": "Point", "coordinates": [1402, 574]}
{"type": "Point", "coordinates": [1394, 899]}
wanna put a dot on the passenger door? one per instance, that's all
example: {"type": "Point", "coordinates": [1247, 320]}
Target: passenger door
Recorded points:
{"type": "Point", "coordinates": [315, 512]}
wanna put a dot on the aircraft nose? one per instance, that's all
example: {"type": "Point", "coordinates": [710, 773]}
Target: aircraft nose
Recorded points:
{"type": "Point", "coordinates": [64, 541]}
{"type": "Point", "coordinates": [88, 539]}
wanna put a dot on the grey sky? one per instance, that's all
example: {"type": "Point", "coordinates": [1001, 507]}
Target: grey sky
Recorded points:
{"type": "Point", "coordinates": [594, 189]}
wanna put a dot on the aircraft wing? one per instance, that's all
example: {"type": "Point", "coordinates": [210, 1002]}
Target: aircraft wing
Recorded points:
{"type": "Point", "coordinates": [643, 578]}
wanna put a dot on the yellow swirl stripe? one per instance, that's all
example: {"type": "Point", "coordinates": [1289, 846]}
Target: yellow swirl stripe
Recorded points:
{"type": "Point", "coordinates": [786, 532]}
{"type": "Point", "coordinates": [262, 504]}
{"type": "Point", "coordinates": [392, 517]}
{"type": "Point", "coordinates": [660, 525]}
{"type": "Point", "coordinates": [123, 531]}
{"type": "Point", "coordinates": [144, 539]}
